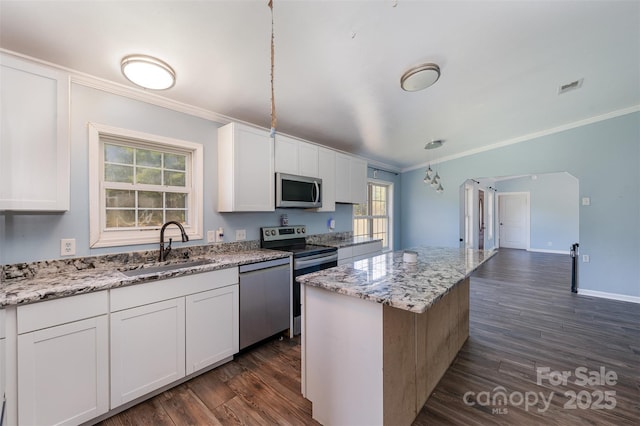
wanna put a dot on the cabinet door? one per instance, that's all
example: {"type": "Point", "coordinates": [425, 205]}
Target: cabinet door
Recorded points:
{"type": "Point", "coordinates": [246, 179]}
{"type": "Point", "coordinates": [147, 349]}
{"type": "Point", "coordinates": [307, 159]}
{"type": "Point", "coordinates": [343, 178]}
{"type": "Point", "coordinates": [327, 172]}
{"type": "Point", "coordinates": [212, 327]}
{"type": "Point", "coordinates": [63, 373]}
{"type": "Point", "coordinates": [34, 137]}
{"type": "Point", "coordinates": [2, 366]}
{"type": "Point", "coordinates": [286, 156]}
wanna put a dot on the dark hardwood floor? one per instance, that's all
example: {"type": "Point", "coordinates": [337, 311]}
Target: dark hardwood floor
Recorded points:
{"type": "Point", "coordinates": [523, 320]}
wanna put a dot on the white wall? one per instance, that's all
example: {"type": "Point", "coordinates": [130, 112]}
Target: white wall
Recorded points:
{"type": "Point", "coordinates": [554, 209]}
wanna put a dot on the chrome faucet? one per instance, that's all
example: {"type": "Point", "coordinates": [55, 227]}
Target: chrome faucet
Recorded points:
{"type": "Point", "coordinates": [164, 252]}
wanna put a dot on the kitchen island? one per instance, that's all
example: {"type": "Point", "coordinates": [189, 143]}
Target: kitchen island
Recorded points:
{"type": "Point", "coordinates": [379, 333]}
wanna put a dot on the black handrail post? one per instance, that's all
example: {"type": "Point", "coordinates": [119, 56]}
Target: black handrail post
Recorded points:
{"type": "Point", "coordinates": [574, 267]}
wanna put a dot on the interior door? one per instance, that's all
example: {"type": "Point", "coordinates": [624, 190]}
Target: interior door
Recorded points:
{"type": "Point", "coordinates": [514, 220]}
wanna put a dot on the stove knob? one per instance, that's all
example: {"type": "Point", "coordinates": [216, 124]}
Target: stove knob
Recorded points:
{"type": "Point", "coordinates": [304, 230]}
{"type": "Point", "coordinates": [273, 232]}
{"type": "Point", "coordinates": [298, 230]}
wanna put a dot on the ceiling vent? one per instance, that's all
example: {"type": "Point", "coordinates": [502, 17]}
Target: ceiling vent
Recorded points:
{"type": "Point", "coordinates": [570, 86]}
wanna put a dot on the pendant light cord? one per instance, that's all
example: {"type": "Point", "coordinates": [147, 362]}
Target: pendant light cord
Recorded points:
{"type": "Point", "coordinates": [274, 118]}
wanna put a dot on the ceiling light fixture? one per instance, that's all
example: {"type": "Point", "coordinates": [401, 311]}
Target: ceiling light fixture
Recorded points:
{"type": "Point", "coordinates": [148, 72]}
{"type": "Point", "coordinates": [420, 77]}
{"type": "Point", "coordinates": [429, 178]}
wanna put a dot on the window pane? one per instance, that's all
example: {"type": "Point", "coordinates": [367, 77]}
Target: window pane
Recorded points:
{"type": "Point", "coordinates": [147, 157]}
{"type": "Point", "coordinates": [120, 198]}
{"type": "Point", "coordinates": [175, 201]}
{"type": "Point", "coordinates": [177, 215]}
{"type": "Point", "coordinates": [150, 218]}
{"type": "Point", "coordinates": [175, 162]}
{"type": "Point", "coordinates": [114, 173]}
{"type": "Point", "coordinates": [118, 154]}
{"type": "Point", "coordinates": [149, 200]}
{"type": "Point", "coordinates": [174, 178]}
{"type": "Point", "coordinates": [148, 176]}
{"type": "Point", "coordinates": [121, 218]}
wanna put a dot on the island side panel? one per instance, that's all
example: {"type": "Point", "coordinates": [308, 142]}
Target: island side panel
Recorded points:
{"type": "Point", "coordinates": [440, 333]}
{"type": "Point", "coordinates": [343, 338]}
{"type": "Point", "coordinates": [399, 356]}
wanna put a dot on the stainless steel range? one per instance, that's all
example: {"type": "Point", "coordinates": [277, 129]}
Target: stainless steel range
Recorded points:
{"type": "Point", "coordinates": [306, 257]}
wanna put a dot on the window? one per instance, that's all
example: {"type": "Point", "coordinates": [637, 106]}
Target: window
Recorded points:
{"type": "Point", "coordinates": [138, 182]}
{"type": "Point", "coordinates": [374, 218]}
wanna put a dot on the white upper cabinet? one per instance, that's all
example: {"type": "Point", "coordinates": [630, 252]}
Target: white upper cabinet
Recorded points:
{"type": "Point", "coordinates": [34, 136]}
{"type": "Point", "coordinates": [246, 181]}
{"type": "Point", "coordinates": [327, 172]}
{"type": "Point", "coordinates": [296, 157]}
{"type": "Point", "coordinates": [351, 179]}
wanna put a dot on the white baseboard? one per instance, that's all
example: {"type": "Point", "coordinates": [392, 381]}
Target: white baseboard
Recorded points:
{"type": "Point", "coordinates": [613, 296]}
{"type": "Point", "coordinates": [549, 251]}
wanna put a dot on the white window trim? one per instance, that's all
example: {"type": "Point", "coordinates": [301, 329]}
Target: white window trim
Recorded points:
{"type": "Point", "coordinates": [97, 236]}
{"type": "Point", "coordinates": [390, 210]}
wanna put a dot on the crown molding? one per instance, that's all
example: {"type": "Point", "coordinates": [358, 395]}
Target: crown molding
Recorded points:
{"type": "Point", "coordinates": [530, 136]}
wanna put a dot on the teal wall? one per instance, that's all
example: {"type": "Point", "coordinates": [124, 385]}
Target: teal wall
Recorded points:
{"type": "Point", "coordinates": [31, 237]}
{"type": "Point", "coordinates": [554, 209]}
{"type": "Point", "coordinates": [604, 157]}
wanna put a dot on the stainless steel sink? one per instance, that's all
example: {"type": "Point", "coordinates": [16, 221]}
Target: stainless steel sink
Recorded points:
{"type": "Point", "coordinates": [146, 270]}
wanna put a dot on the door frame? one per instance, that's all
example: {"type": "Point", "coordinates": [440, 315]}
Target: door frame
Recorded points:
{"type": "Point", "coordinates": [527, 217]}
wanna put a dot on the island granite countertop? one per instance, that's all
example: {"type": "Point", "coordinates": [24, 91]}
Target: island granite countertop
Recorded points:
{"type": "Point", "coordinates": [387, 279]}
{"type": "Point", "coordinates": [348, 241]}
{"type": "Point", "coordinates": [53, 279]}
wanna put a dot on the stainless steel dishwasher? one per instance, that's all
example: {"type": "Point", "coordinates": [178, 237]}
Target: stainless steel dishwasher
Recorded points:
{"type": "Point", "coordinates": [265, 300]}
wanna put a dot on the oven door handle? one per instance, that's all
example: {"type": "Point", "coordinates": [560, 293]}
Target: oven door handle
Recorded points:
{"type": "Point", "coordinates": [314, 260]}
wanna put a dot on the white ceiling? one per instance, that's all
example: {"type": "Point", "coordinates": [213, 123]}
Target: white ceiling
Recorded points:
{"type": "Point", "coordinates": [338, 63]}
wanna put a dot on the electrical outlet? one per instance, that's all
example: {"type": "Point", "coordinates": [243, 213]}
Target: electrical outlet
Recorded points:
{"type": "Point", "coordinates": [211, 236]}
{"type": "Point", "coordinates": [67, 247]}
{"type": "Point", "coordinates": [586, 258]}
{"type": "Point", "coordinates": [241, 234]}
{"type": "Point", "coordinates": [220, 235]}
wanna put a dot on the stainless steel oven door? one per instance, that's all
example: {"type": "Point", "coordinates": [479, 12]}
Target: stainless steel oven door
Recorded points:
{"type": "Point", "coordinates": [306, 265]}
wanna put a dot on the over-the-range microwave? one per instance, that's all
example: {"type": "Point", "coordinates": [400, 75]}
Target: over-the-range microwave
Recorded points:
{"type": "Point", "coordinates": [298, 191]}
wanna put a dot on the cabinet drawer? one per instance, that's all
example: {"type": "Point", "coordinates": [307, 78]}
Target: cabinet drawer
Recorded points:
{"type": "Point", "coordinates": [60, 311]}
{"type": "Point", "coordinates": [368, 248]}
{"type": "Point", "coordinates": [345, 253]}
{"type": "Point", "coordinates": [2, 330]}
{"type": "Point", "coordinates": [156, 291]}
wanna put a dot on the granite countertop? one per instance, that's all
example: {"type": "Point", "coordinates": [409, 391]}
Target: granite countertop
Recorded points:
{"type": "Point", "coordinates": [387, 279]}
{"type": "Point", "coordinates": [58, 279]}
{"type": "Point", "coordinates": [348, 241]}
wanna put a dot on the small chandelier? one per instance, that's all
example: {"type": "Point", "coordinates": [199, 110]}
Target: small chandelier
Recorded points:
{"type": "Point", "coordinates": [431, 178]}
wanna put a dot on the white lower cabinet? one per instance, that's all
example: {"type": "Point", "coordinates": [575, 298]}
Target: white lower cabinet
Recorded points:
{"type": "Point", "coordinates": [162, 331]}
{"type": "Point", "coordinates": [147, 349]}
{"type": "Point", "coordinates": [212, 321]}
{"type": "Point", "coordinates": [63, 367]}
{"type": "Point", "coordinates": [2, 358]}
{"type": "Point", "coordinates": [358, 252]}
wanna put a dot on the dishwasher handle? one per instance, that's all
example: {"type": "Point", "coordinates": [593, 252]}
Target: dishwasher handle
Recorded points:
{"type": "Point", "coordinates": [265, 265]}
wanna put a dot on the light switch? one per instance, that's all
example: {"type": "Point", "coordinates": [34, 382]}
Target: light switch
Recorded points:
{"type": "Point", "coordinates": [586, 201]}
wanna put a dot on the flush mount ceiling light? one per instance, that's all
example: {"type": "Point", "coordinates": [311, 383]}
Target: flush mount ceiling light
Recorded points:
{"type": "Point", "coordinates": [420, 77]}
{"type": "Point", "coordinates": [148, 72]}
